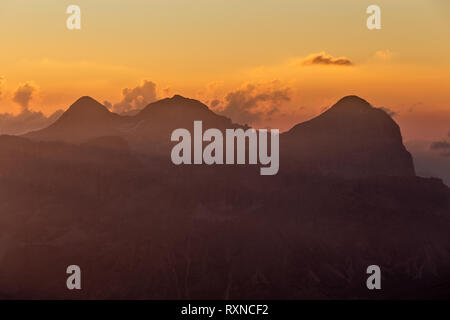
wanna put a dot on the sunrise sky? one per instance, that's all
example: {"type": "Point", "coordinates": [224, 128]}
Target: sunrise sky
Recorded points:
{"type": "Point", "coordinates": [252, 59]}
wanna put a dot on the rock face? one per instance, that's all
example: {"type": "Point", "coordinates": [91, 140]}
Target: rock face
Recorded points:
{"type": "Point", "coordinates": [351, 139]}
{"type": "Point", "coordinates": [117, 215]}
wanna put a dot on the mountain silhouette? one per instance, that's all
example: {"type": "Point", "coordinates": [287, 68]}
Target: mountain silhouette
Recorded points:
{"type": "Point", "coordinates": [115, 214]}
{"type": "Point", "coordinates": [180, 112]}
{"type": "Point", "coordinates": [85, 119]}
{"type": "Point", "coordinates": [345, 197]}
{"type": "Point", "coordinates": [154, 124]}
{"type": "Point", "coordinates": [350, 139]}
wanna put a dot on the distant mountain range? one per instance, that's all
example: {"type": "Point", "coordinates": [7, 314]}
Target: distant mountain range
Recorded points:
{"type": "Point", "coordinates": [98, 190]}
{"type": "Point", "coordinates": [351, 139]}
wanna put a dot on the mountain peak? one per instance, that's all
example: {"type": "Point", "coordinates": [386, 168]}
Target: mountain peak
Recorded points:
{"type": "Point", "coordinates": [172, 106]}
{"type": "Point", "coordinates": [180, 100]}
{"type": "Point", "coordinates": [178, 97]}
{"type": "Point", "coordinates": [352, 102]}
{"type": "Point", "coordinates": [85, 99]}
{"type": "Point", "coordinates": [85, 119]}
{"type": "Point", "coordinates": [352, 99]}
{"type": "Point", "coordinates": [351, 139]}
{"type": "Point", "coordinates": [87, 104]}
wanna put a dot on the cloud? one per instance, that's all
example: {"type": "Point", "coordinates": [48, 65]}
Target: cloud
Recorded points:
{"type": "Point", "coordinates": [2, 84]}
{"type": "Point", "coordinates": [167, 91]}
{"type": "Point", "coordinates": [26, 121]}
{"type": "Point", "coordinates": [214, 103]}
{"type": "Point", "coordinates": [24, 93]}
{"type": "Point", "coordinates": [383, 55]}
{"type": "Point", "coordinates": [388, 111]}
{"type": "Point", "coordinates": [324, 59]}
{"type": "Point", "coordinates": [136, 98]}
{"type": "Point", "coordinates": [254, 102]}
{"type": "Point", "coordinates": [107, 104]}
{"type": "Point", "coordinates": [440, 145]}
{"type": "Point", "coordinates": [415, 105]}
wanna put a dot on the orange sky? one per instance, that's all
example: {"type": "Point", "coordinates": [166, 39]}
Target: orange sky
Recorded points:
{"type": "Point", "coordinates": [243, 53]}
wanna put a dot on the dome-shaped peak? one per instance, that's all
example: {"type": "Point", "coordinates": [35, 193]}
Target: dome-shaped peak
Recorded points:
{"type": "Point", "coordinates": [178, 97]}
{"type": "Point", "coordinates": [86, 99]}
{"type": "Point", "coordinates": [87, 104]}
{"type": "Point", "coordinates": [352, 101]}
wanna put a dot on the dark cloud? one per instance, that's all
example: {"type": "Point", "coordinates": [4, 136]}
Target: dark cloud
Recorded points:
{"type": "Point", "coordinates": [389, 111]}
{"type": "Point", "coordinates": [26, 121]}
{"type": "Point", "coordinates": [324, 59]}
{"type": "Point", "coordinates": [214, 103]}
{"type": "Point", "coordinates": [254, 102]}
{"type": "Point", "coordinates": [136, 98]}
{"type": "Point", "coordinates": [415, 105]}
{"type": "Point", "coordinates": [24, 94]}
{"type": "Point", "coordinates": [440, 145]}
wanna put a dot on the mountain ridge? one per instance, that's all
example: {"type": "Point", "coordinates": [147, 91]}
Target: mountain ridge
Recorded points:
{"type": "Point", "coordinates": [351, 139]}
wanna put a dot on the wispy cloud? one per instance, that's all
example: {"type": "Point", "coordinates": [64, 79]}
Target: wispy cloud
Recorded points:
{"type": "Point", "coordinates": [254, 101]}
{"type": "Point", "coordinates": [440, 145]}
{"type": "Point", "coordinates": [390, 112]}
{"type": "Point", "coordinates": [135, 98]}
{"type": "Point", "coordinates": [24, 94]}
{"type": "Point", "coordinates": [25, 121]}
{"type": "Point", "coordinates": [383, 55]}
{"type": "Point", "coordinates": [324, 59]}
